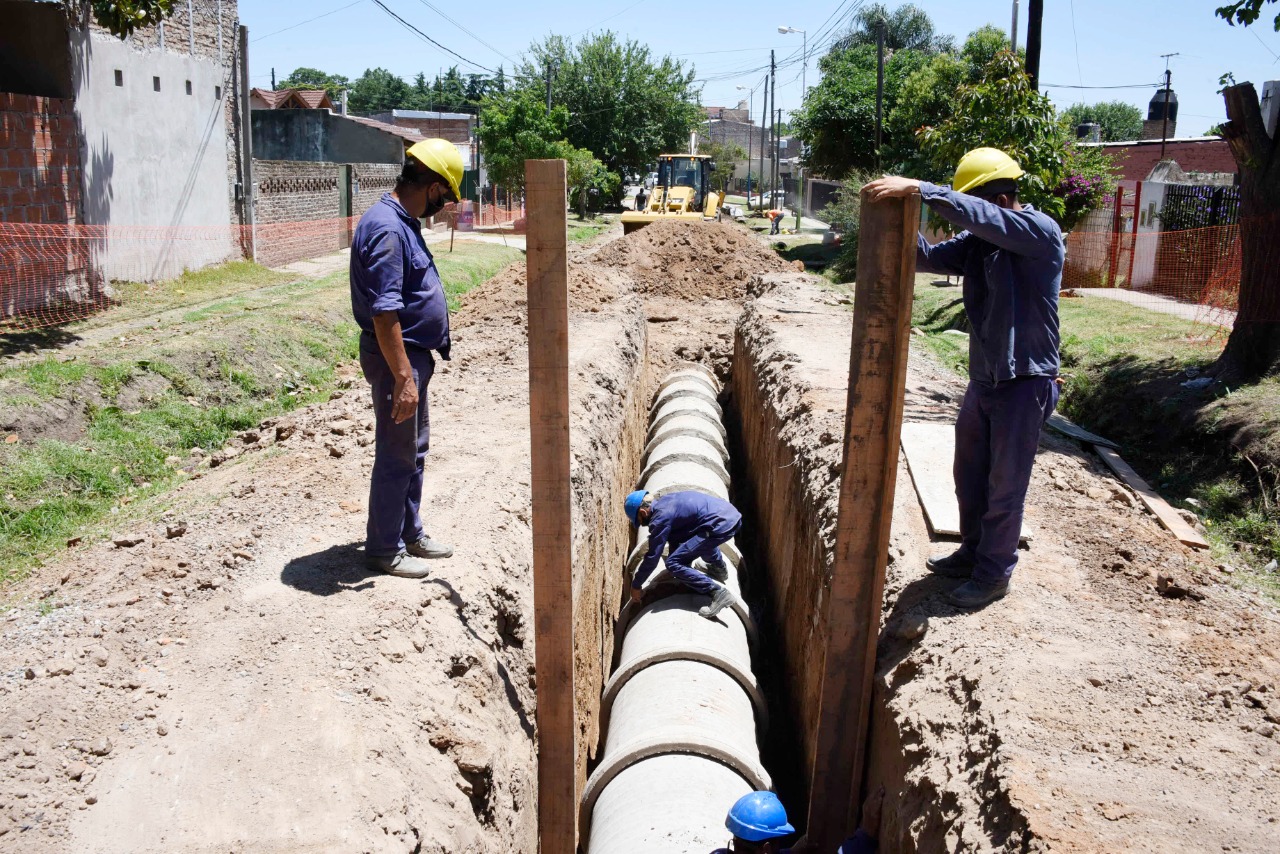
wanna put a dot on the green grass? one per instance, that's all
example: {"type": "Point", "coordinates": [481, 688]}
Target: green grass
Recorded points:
{"type": "Point", "coordinates": [1123, 366]}
{"type": "Point", "coordinates": [585, 230]}
{"type": "Point", "coordinates": [142, 299]}
{"type": "Point", "coordinates": [271, 346]}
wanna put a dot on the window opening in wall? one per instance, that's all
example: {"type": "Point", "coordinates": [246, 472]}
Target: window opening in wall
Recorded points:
{"type": "Point", "coordinates": [217, 93]}
{"type": "Point", "coordinates": [119, 77]}
{"type": "Point", "coordinates": [155, 83]}
{"type": "Point", "coordinates": [188, 87]}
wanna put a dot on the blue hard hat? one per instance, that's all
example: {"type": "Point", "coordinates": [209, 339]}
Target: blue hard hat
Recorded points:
{"type": "Point", "coordinates": [632, 505]}
{"type": "Point", "coordinates": [758, 816]}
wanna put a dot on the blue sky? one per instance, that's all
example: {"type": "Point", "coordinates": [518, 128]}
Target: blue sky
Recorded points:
{"type": "Point", "coordinates": [1109, 42]}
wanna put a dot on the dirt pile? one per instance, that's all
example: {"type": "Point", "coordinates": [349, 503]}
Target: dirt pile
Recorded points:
{"type": "Point", "coordinates": [708, 260]}
{"type": "Point", "coordinates": [503, 298]}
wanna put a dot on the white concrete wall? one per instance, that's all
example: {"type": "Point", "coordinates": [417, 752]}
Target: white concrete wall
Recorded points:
{"type": "Point", "coordinates": [153, 158]}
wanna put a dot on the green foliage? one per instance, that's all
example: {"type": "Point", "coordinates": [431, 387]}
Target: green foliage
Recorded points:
{"type": "Point", "coordinates": [1120, 122]}
{"type": "Point", "coordinates": [625, 106]}
{"type": "Point", "coordinates": [1003, 111]}
{"type": "Point", "coordinates": [837, 120]}
{"type": "Point", "coordinates": [377, 90]}
{"type": "Point", "coordinates": [726, 156]}
{"type": "Point", "coordinates": [1216, 130]}
{"type": "Point", "coordinates": [588, 179]}
{"type": "Point", "coordinates": [122, 17]}
{"type": "Point", "coordinates": [844, 215]}
{"type": "Point", "coordinates": [1244, 12]}
{"type": "Point", "coordinates": [516, 127]}
{"type": "Point", "coordinates": [1089, 176]}
{"type": "Point", "coordinates": [906, 28]}
{"type": "Point", "coordinates": [314, 78]}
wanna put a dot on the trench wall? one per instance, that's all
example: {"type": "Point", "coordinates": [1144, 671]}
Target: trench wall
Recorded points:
{"type": "Point", "coordinates": [608, 420]}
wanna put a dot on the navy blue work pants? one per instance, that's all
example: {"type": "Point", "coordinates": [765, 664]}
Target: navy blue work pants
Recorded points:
{"type": "Point", "coordinates": [395, 490]}
{"type": "Point", "coordinates": [997, 432]}
{"type": "Point", "coordinates": [706, 545]}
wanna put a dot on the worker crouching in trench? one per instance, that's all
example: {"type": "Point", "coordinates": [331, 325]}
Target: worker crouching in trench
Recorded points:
{"type": "Point", "coordinates": [695, 526]}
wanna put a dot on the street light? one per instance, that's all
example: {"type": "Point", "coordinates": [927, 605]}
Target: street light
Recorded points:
{"type": "Point", "coordinates": [751, 107]}
{"type": "Point", "coordinates": [804, 88]}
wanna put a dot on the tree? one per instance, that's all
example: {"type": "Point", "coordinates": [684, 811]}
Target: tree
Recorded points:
{"type": "Point", "coordinates": [1253, 348]}
{"type": "Point", "coordinates": [378, 90]}
{"type": "Point", "coordinates": [1245, 12]}
{"type": "Point", "coordinates": [450, 91]}
{"type": "Point", "coordinates": [838, 118]}
{"type": "Point", "coordinates": [314, 78]}
{"type": "Point", "coordinates": [1120, 121]}
{"type": "Point", "coordinates": [1003, 111]}
{"type": "Point", "coordinates": [625, 106]}
{"type": "Point", "coordinates": [121, 17]}
{"type": "Point", "coordinates": [906, 28]}
{"type": "Point", "coordinates": [726, 156]}
{"type": "Point", "coordinates": [1089, 175]}
{"type": "Point", "coordinates": [583, 174]}
{"type": "Point", "coordinates": [516, 127]}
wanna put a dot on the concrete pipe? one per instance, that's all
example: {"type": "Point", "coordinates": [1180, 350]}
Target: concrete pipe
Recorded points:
{"type": "Point", "coordinates": [671, 629]}
{"type": "Point", "coordinates": [679, 707]}
{"type": "Point", "coordinates": [674, 803]}
{"type": "Point", "coordinates": [682, 707]}
{"type": "Point", "coordinates": [692, 449]}
{"type": "Point", "coordinates": [691, 371]}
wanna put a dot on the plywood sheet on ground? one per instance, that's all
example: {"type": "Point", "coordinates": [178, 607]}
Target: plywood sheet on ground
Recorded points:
{"type": "Point", "coordinates": [1168, 517]}
{"type": "Point", "coordinates": [930, 449]}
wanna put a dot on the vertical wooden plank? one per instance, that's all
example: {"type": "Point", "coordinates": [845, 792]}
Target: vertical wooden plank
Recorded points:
{"type": "Point", "coordinates": [548, 295]}
{"type": "Point", "coordinates": [873, 425]}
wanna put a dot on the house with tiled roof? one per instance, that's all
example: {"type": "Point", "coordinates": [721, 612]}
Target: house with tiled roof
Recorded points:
{"type": "Point", "coordinates": [290, 99]}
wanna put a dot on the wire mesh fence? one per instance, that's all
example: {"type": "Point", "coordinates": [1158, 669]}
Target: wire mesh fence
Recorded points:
{"type": "Point", "coordinates": [59, 273]}
{"type": "Point", "coordinates": [1181, 255]}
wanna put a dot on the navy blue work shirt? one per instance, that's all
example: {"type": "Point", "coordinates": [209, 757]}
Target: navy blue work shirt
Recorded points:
{"type": "Point", "coordinates": [678, 516]}
{"type": "Point", "coordinates": [392, 270]}
{"type": "Point", "coordinates": [1012, 267]}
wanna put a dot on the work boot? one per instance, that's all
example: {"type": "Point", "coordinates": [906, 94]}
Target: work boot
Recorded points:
{"type": "Point", "coordinates": [973, 594]}
{"type": "Point", "coordinates": [429, 549]}
{"type": "Point", "coordinates": [715, 571]}
{"type": "Point", "coordinates": [401, 565]}
{"type": "Point", "coordinates": [955, 565]}
{"type": "Point", "coordinates": [723, 599]}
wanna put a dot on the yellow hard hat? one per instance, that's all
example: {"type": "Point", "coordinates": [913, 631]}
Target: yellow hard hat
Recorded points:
{"type": "Point", "coordinates": [442, 158]}
{"type": "Point", "coordinates": [981, 166]}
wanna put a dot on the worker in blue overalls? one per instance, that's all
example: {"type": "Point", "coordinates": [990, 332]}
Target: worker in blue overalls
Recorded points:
{"type": "Point", "coordinates": [695, 525]}
{"type": "Point", "coordinates": [398, 302]}
{"type": "Point", "coordinates": [1010, 256]}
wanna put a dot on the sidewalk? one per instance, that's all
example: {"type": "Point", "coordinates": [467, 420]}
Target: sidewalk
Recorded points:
{"type": "Point", "coordinates": [1188, 311]}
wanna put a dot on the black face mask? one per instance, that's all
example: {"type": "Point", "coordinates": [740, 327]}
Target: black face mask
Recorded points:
{"type": "Point", "coordinates": [435, 207]}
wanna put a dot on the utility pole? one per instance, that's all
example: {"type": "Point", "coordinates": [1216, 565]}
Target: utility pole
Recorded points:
{"type": "Point", "coordinates": [1035, 18]}
{"type": "Point", "coordinates": [1013, 30]}
{"type": "Point", "coordinates": [1168, 87]}
{"type": "Point", "coordinates": [773, 136]}
{"type": "Point", "coordinates": [764, 128]}
{"type": "Point", "coordinates": [777, 154]}
{"type": "Point", "coordinates": [751, 108]}
{"type": "Point", "coordinates": [273, 79]}
{"type": "Point", "coordinates": [549, 66]}
{"type": "Point", "coordinates": [879, 86]}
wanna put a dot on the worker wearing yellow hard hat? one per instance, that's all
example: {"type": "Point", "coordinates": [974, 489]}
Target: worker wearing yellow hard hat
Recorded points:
{"type": "Point", "coordinates": [399, 304]}
{"type": "Point", "coordinates": [1010, 256]}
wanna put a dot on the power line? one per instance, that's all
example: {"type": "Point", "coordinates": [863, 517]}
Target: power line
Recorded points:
{"type": "Point", "coordinates": [1072, 86]}
{"type": "Point", "coordinates": [1076, 39]}
{"type": "Point", "coordinates": [423, 35]}
{"type": "Point", "coordinates": [465, 30]}
{"type": "Point", "coordinates": [307, 21]}
{"type": "Point", "coordinates": [608, 19]}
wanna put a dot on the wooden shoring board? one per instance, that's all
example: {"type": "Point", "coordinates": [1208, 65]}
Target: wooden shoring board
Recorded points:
{"type": "Point", "coordinates": [1067, 427]}
{"type": "Point", "coordinates": [873, 419]}
{"type": "Point", "coordinates": [930, 449]}
{"type": "Point", "coordinates": [548, 301]}
{"type": "Point", "coordinates": [1168, 517]}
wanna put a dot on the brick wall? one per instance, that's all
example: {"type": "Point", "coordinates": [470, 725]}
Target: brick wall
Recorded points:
{"type": "Point", "coordinates": [299, 211]}
{"type": "Point", "coordinates": [39, 183]}
{"type": "Point", "coordinates": [1137, 159]}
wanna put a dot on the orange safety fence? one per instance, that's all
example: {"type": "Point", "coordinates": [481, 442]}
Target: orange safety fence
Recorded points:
{"type": "Point", "coordinates": [59, 273]}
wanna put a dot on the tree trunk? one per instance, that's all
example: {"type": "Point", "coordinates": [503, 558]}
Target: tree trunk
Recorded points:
{"type": "Point", "coordinates": [1253, 350]}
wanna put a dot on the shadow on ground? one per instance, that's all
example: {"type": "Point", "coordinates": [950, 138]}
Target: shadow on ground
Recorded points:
{"type": "Point", "coordinates": [337, 569]}
{"type": "Point", "coordinates": [34, 340]}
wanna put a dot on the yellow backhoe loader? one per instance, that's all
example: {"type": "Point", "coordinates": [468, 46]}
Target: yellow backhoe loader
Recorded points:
{"type": "Point", "coordinates": [682, 192]}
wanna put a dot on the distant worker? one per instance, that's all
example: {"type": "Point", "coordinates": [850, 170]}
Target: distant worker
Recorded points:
{"type": "Point", "coordinates": [695, 525]}
{"type": "Point", "coordinates": [1010, 256]}
{"type": "Point", "coordinates": [775, 221]}
{"type": "Point", "coordinates": [757, 821]}
{"type": "Point", "coordinates": [399, 303]}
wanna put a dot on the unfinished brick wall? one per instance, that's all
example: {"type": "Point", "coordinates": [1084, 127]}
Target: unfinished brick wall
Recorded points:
{"type": "Point", "coordinates": [39, 184]}
{"type": "Point", "coordinates": [299, 208]}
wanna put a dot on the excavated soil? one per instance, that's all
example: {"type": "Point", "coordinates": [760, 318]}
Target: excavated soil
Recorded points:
{"type": "Point", "coordinates": [1086, 711]}
{"type": "Point", "coordinates": [669, 259]}
{"type": "Point", "coordinates": [225, 675]}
